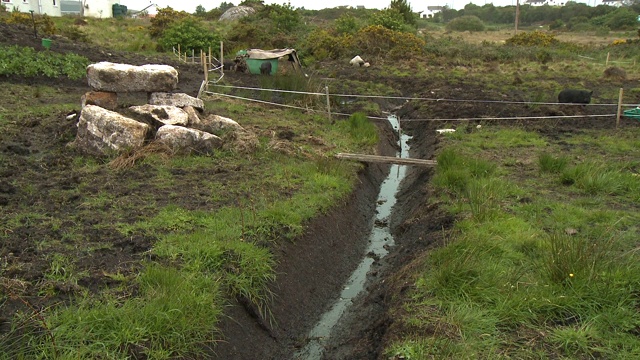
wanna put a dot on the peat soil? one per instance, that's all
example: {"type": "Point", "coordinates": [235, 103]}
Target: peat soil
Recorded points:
{"type": "Point", "coordinates": [36, 171]}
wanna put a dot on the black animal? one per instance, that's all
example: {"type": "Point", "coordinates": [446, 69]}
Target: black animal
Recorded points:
{"type": "Point", "coordinates": [265, 68]}
{"type": "Point", "coordinates": [229, 65]}
{"type": "Point", "coordinates": [574, 96]}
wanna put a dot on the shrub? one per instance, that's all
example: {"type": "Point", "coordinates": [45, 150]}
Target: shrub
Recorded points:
{"type": "Point", "coordinates": [388, 18]}
{"type": "Point", "coordinates": [621, 18]}
{"type": "Point", "coordinates": [381, 41]}
{"type": "Point", "coordinates": [405, 10]}
{"type": "Point", "coordinates": [283, 16]}
{"type": "Point", "coordinates": [44, 24]}
{"type": "Point", "coordinates": [25, 61]}
{"type": "Point", "coordinates": [466, 23]}
{"type": "Point", "coordinates": [190, 34]}
{"type": "Point", "coordinates": [533, 38]}
{"type": "Point", "coordinates": [556, 25]}
{"type": "Point", "coordinates": [74, 33]}
{"type": "Point", "coordinates": [346, 24]}
{"type": "Point", "coordinates": [164, 19]}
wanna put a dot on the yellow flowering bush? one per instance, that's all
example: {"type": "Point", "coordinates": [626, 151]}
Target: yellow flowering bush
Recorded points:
{"type": "Point", "coordinates": [377, 40]}
{"type": "Point", "coordinates": [533, 38]}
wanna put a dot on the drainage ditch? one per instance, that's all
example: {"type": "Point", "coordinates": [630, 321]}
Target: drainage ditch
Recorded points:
{"type": "Point", "coordinates": [379, 242]}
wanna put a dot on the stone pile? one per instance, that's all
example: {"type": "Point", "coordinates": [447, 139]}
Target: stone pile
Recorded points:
{"type": "Point", "coordinates": [172, 118]}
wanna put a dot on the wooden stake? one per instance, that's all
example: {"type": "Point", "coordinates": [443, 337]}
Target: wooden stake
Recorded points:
{"type": "Point", "coordinates": [619, 108]}
{"type": "Point", "coordinates": [210, 59]}
{"type": "Point", "coordinates": [221, 57]}
{"type": "Point", "coordinates": [179, 53]}
{"type": "Point", "coordinates": [607, 63]}
{"type": "Point", "coordinates": [193, 56]}
{"type": "Point", "coordinates": [517, 14]}
{"type": "Point", "coordinates": [326, 90]}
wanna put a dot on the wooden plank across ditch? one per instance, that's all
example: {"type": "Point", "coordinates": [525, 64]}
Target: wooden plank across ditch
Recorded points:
{"type": "Point", "coordinates": [386, 159]}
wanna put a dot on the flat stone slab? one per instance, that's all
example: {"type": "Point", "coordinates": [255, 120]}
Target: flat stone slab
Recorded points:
{"type": "Point", "coordinates": [114, 77]}
{"type": "Point", "coordinates": [158, 115]}
{"type": "Point", "coordinates": [180, 100]}
{"type": "Point", "coordinates": [101, 130]}
{"type": "Point", "coordinates": [187, 141]}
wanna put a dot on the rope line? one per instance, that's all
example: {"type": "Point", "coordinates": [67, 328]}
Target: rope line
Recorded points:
{"type": "Point", "coordinates": [414, 120]}
{"type": "Point", "coordinates": [414, 98]}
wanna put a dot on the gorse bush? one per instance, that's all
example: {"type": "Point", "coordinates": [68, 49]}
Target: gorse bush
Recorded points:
{"type": "Point", "coordinates": [44, 24]}
{"type": "Point", "coordinates": [533, 38]}
{"type": "Point", "coordinates": [25, 61]}
{"type": "Point", "coordinates": [164, 19]}
{"type": "Point", "coordinates": [346, 24]}
{"type": "Point", "coordinates": [370, 41]}
{"type": "Point", "coordinates": [466, 23]}
{"type": "Point", "coordinates": [391, 19]}
{"type": "Point", "coordinates": [190, 34]}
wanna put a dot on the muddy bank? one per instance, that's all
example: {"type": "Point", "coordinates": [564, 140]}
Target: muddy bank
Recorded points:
{"type": "Point", "coordinates": [416, 227]}
{"type": "Point", "coordinates": [311, 273]}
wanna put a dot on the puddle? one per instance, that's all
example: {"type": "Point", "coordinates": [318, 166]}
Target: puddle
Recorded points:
{"type": "Point", "coordinates": [380, 239]}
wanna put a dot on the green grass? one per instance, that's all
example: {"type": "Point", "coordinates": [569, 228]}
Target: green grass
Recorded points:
{"type": "Point", "coordinates": [557, 272]}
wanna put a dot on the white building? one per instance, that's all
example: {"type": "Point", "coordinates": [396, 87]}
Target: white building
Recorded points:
{"type": "Point", "coordinates": [90, 8]}
{"type": "Point", "coordinates": [430, 12]}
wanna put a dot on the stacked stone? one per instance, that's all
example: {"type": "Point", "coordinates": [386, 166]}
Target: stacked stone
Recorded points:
{"type": "Point", "coordinates": [172, 118]}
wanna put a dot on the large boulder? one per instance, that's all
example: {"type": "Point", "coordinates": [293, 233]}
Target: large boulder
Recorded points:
{"type": "Point", "coordinates": [185, 141]}
{"type": "Point", "coordinates": [101, 131]}
{"type": "Point", "coordinates": [176, 99]}
{"type": "Point", "coordinates": [159, 115]}
{"type": "Point", "coordinates": [112, 77]}
{"type": "Point", "coordinates": [215, 124]}
{"type": "Point", "coordinates": [237, 12]}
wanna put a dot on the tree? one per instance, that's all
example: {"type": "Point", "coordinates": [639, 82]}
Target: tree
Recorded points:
{"type": "Point", "coordinates": [200, 10]}
{"type": "Point", "coordinates": [405, 10]}
{"type": "Point", "coordinates": [224, 6]}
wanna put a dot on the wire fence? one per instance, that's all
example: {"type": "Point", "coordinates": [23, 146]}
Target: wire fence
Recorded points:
{"type": "Point", "coordinates": [328, 111]}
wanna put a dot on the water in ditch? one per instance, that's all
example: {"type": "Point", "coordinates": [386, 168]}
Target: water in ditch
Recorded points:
{"type": "Point", "coordinates": [380, 239]}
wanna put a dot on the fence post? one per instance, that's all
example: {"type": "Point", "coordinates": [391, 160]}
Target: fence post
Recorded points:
{"type": "Point", "coordinates": [210, 60]}
{"type": "Point", "coordinates": [179, 53]}
{"type": "Point", "coordinates": [193, 56]}
{"type": "Point", "coordinates": [607, 62]}
{"type": "Point", "coordinates": [619, 108]}
{"type": "Point", "coordinates": [204, 66]}
{"type": "Point", "coordinates": [326, 90]}
{"type": "Point", "coordinates": [221, 57]}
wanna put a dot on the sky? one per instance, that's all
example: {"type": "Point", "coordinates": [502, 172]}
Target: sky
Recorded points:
{"type": "Point", "coordinates": [416, 5]}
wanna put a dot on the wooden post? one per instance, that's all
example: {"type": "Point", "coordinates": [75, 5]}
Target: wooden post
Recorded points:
{"type": "Point", "coordinates": [607, 62]}
{"type": "Point", "coordinates": [221, 57]}
{"type": "Point", "coordinates": [203, 56]}
{"type": "Point", "coordinates": [210, 59]}
{"type": "Point", "coordinates": [619, 108]}
{"type": "Point", "coordinates": [517, 14]}
{"type": "Point", "coordinates": [326, 90]}
{"type": "Point", "coordinates": [193, 56]}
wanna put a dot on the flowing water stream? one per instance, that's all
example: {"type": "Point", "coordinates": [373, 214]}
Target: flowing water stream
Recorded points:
{"type": "Point", "coordinates": [380, 239]}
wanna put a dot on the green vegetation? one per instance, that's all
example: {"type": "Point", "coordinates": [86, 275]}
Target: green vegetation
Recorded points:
{"type": "Point", "coordinates": [542, 254]}
{"type": "Point", "coordinates": [466, 23]}
{"type": "Point", "coordinates": [25, 61]}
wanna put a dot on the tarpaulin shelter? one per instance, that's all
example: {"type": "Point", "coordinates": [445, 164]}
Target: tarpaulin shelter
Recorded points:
{"type": "Point", "coordinates": [255, 58]}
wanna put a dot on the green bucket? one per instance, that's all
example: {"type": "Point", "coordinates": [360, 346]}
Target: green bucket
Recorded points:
{"type": "Point", "coordinates": [46, 43]}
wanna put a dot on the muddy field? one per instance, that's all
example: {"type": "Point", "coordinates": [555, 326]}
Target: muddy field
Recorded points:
{"type": "Point", "coordinates": [36, 171]}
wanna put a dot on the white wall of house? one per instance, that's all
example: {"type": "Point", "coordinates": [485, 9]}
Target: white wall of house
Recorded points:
{"type": "Point", "coordinates": [99, 8]}
{"type": "Point", "coordinates": [92, 8]}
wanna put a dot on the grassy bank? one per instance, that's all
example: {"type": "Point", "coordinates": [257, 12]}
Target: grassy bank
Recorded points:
{"type": "Point", "coordinates": [542, 262]}
{"type": "Point", "coordinates": [211, 222]}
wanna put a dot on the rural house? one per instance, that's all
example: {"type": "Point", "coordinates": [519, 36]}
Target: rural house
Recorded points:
{"type": "Point", "coordinates": [90, 8]}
